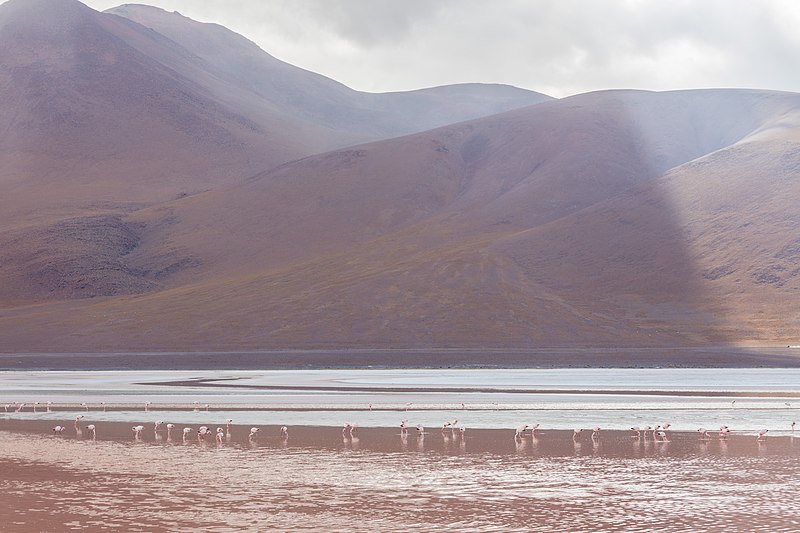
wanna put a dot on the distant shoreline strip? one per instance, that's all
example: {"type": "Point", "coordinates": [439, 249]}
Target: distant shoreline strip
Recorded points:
{"type": "Point", "coordinates": [215, 383]}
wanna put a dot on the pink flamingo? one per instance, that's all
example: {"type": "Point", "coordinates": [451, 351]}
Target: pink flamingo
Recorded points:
{"type": "Point", "coordinates": [284, 432]}
{"type": "Point", "coordinates": [169, 431]}
{"type": "Point", "coordinates": [793, 424]}
{"type": "Point", "coordinates": [49, 404]}
{"type": "Point", "coordinates": [186, 432]}
{"type": "Point", "coordinates": [253, 432]}
{"type": "Point", "coordinates": [157, 425]}
{"type": "Point", "coordinates": [35, 404]}
{"type": "Point", "coordinates": [21, 406]}
{"type": "Point", "coordinates": [77, 423]}
{"type": "Point", "coordinates": [723, 432]}
{"type": "Point", "coordinates": [202, 432]}
{"type": "Point", "coordinates": [220, 435]}
{"type": "Point", "coordinates": [104, 406]}
{"type": "Point", "coordinates": [704, 435]}
{"type": "Point", "coordinates": [92, 428]}
{"type": "Point", "coordinates": [420, 430]}
{"type": "Point", "coordinates": [7, 406]}
{"type": "Point", "coordinates": [596, 433]}
{"type": "Point", "coordinates": [576, 434]}
{"type": "Point", "coordinates": [762, 435]}
{"type": "Point", "coordinates": [137, 432]}
{"type": "Point", "coordinates": [58, 430]}
{"type": "Point", "coordinates": [147, 406]}
{"type": "Point", "coordinates": [637, 433]}
{"type": "Point", "coordinates": [206, 406]}
{"type": "Point", "coordinates": [85, 407]}
{"type": "Point", "coordinates": [228, 425]}
{"type": "Point", "coordinates": [520, 431]}
{"type": "Point", "coordinates": [403, 427]}
{"type": "Point", "coordinates": [196, 406]}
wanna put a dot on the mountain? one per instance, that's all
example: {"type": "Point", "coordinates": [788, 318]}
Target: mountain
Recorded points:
{"type": "Point", "coordinates": [103, 113]}
{"type": "Point", "coordinates": [616, 218]}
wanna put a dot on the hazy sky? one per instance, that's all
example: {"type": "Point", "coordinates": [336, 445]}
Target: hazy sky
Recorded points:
{"type": "Point", "coordinates": [558, 47]}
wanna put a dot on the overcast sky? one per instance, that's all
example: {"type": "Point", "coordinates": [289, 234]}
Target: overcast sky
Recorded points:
{"type": "Point", "coordinates": [557, 47]}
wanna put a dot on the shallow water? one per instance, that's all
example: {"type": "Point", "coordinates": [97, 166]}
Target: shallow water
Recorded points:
{"type": "Point", "coordinates": [319, 479]}
{"type": "Point", "coordinates": [610, 398]}
{"type": "Point", "coordinates": [485, 482]}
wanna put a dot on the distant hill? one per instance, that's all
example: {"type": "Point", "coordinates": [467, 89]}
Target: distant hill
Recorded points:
{"type": "Point", "coordinates": [167, 185]}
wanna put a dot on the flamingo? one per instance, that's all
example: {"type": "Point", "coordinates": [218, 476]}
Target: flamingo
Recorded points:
{"type": "Point", "coordinates": [520, 431]}
{"type": "Point", "coordinates": [284, 432]}
{"type": "Point", "coordinates": [137, 432]}
{"type": "Point", "coordinates": [157, 425]}
{"type": "Point", "coordinates": [793, 424]}
{"type": "Point", "coordinates": [49, 404]}
{"type": "Point", "coordinates": [762, 435]}
{"type": "Point", "coordinates": [253, 432]}
{"type": "Point", "coordinates": [85, 407]}
{"type": "Point", "coordinates": [534, 429]}
{"type": "Point", "coordinates": [462, 431]}
{"type": "Point", "coordinates": [77, 422]}
{"type": "Point", "coordinates": [58, 430]}
{"type": "Point", "coordinates": [92, 428]}
{"type": "Point", "coordinates": [104, 406]}
{"type": "Point", "coordinates": [596, 433]}
{"type": "Point", "coordinates": [34, 406]}
{"type": "Point", "coordinates": [704, 435]}
{"type": "Point", "coordinates": [420, 430]}
{"type": "Point", "coordinates": [220, 435]}
{"type": "Point", "coordinates": [403, 427]}
{"type": "Point", "coordinates": [228, 423]}
{"type": "Point", "coordinates": [576, 434]}
{"type": "Point", "coordinates": [347, 429]}
{"type": "Point", "coordinates": [186, 432]}
{"type": "Point", "coordinates": [21, 406]}
{"type": "Point", "coordinates": [723, 432]}
{"type": "Point", "coordinates": [206, 406]}
{"type": "Point", "coordinates": [169, 431]}
{"type": "Point", "coordinates": [637, 433]}
{"type": "Point", "coordinates": [7, 406]}
{"type": "Point", "coordinates": [662, 435]}
{"type": "Point", "coordinates": [202, 432]}
{"type": "Point", "coordinates": [196, 406]}
{"type": "Point", "coordinates": [147, 406]}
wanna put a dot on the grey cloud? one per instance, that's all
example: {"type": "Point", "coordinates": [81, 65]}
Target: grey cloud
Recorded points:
{"type": "Point", "coordinates": [561, 47]}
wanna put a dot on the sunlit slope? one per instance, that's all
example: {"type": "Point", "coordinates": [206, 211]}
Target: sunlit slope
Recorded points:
{"type": "Point", "coordinates": [616, 218]}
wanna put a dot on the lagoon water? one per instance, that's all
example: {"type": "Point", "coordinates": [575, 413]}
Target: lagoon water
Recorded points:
{"type": "Point", "coordinates": [744, 399]}
{"type": "Point", "coordinates": [380, 480]}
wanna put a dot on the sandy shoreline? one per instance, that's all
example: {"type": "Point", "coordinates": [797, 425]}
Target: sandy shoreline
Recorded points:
{"type": "Point", "coordinates": [294, 359]}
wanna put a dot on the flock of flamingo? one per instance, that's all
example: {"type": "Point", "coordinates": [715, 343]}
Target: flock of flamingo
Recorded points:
{"type": "Point", "coordinates": [658, 433]}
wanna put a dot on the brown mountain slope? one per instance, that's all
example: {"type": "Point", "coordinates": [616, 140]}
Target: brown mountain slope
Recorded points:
{"type": "Point", "coordinates": [547, 226]}
{"type": "Point", "coordinates": [100, 111]}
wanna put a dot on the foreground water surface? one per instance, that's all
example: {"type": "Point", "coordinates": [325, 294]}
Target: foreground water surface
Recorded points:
{"type": "Point", "coordinates": [321, 478]}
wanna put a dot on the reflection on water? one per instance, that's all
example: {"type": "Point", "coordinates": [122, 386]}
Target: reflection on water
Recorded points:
{"type": "Point", "coordinates": [381, 480]}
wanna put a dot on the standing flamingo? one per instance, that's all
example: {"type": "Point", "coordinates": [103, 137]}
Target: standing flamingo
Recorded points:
{"type": "Point", "coordinates": [92, 428]}
{"type": "Point", "coordinates": [284, 432]}
{"type": "Point", "coordinates": [35, 404]}
{"type": "Point", "coordinates": [520, 431]}
{"type": "Point", "coordinates": [77, 423]}
{"type": "Point", "coordinates": [253, 432]}
{"type": "Point", "coordinates": [104, 406]}
{"type": "Point", "coordinates": [637, 433]}
{"type": "Point", "coordinates": [220, 435]}
{"type": "Point", "coordinates": [576, 434]}
{"type": "Point", "coordinates": [137, 432]}
{"type": "Point", "coordinates": [85, 407]}
{"type": "Point", "coordinates": [147, 406]}
{"type": "Point", "coordinates": [403, 427]}
{"type": "Point", "coordinates": [186, 432]}
{"type": "Point", "coordinates": [704, 435]}
{"type": "Point", "coordinates": [762, 435]}
{"type": "Point", "coordinates": [169, 432]}
{"type": "Point", "coordinates": [49, 404]}
{"type": "Point", "coordinates": [596, 433]}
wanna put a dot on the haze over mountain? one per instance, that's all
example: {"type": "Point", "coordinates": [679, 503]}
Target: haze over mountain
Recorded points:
{"type": "Point", "coordinates": [166, 187]}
